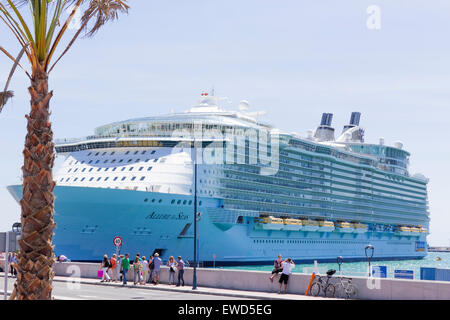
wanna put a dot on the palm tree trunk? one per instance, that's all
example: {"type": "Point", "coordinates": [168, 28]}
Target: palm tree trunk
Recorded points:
{"type": "Point", "coordinates": [36, 257]}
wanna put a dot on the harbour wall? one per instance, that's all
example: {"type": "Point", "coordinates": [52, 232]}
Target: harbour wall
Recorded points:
{"type": "Point", "coordinates": [368, 288]}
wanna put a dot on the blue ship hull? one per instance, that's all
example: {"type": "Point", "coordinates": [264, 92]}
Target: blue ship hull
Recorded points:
{"type": "Point", "coordinates": [88, 219]}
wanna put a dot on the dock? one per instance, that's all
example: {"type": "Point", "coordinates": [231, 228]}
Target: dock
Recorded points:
{"type": "Point", "coordinates": [439, 249]}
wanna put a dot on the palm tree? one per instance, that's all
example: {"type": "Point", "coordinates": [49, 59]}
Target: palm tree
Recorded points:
{"type": "Point", "coordinates": [39, 39]}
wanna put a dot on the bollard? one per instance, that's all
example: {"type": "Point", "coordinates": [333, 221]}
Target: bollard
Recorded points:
{"type": "Point", "coordinates": [310, 283]}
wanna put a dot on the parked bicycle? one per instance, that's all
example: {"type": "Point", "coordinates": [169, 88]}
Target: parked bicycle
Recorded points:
{"type": "Point", "coordinates": [323, 285]}
{"type": "Point", "coordinates": [344, 288]}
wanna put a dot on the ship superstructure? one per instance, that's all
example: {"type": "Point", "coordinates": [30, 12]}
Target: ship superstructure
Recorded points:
{"type": "Point", "coordinates": [261, 191]}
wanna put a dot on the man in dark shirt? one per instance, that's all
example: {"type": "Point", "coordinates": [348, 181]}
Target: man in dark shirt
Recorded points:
{"type": "Point", "coordinates": [180, 267]}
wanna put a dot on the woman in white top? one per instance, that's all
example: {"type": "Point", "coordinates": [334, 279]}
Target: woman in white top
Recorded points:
{"type": "Point", "coordinates": [172, 269]}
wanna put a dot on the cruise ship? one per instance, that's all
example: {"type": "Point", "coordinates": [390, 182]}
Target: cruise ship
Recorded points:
{"type": "Point", "coordinates": [260, 191]}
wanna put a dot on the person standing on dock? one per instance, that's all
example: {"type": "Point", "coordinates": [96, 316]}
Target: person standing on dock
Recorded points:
{"type": "Point", "coordinates": [172, 269]}
{"type": "Point", "coordinates": [288, 265]}
{"type": "Point", "coordinates": [157, 267]}
{"type": "Point", "coordinates": [144, 270]}
{"type": "Point", "coordinates": [125, 267]}
{"type": "Point", "coordinates": [114, 269]}
{"type": "Point", "coordinates": [151, 267]}
{"type": "Point", "coordinates": [105, 267]}
{"type": "Point", "coordinates": [137, 269]}
{"type": "Point", "coordinates": [180, 267]}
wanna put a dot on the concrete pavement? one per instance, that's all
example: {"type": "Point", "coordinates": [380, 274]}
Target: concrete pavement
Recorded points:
{"type": "Point", "coordinates": [70, 288]}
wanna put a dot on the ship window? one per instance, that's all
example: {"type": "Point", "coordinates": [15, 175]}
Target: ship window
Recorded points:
{"type": "Point", "coordinates": [114, 169]}
{"type": "Point", "coordinates": [70, 163]}
{"type": "Point", "coordinates": [147, 160]}
{"type": "Point", "coordinates": [99, 169]}
{"type": "Point", "coordinates": [106, 169]}
{"type": "Point", "coordinates": [190, 202]}
{"type": "Point", "coordinates": [69, 170]}
{"type": "Point", "coordinates": [90, 161]}
{"type": "Point", "coordinates": [131, 168]}
{"type": "Point", "coordinates": [82, 162]}
{"type": "Point", "coordinates": [137, 160]}
{"type": "Point", "coordinates": [76, 162]}
{"type": "Point", "coordinates": [91, 169]}
{"type": "Point", "coordinates": [153, 152]}
{"type": "Point", "coordinates": [121, 160]}
{"type": "Point", "coordinates": [136, 152]}
{"type": "Point", "coordinates": [140, 169]}
{"type": "Point", "coordinates": [98, 179]}
{"type": "Point", "coordinates": [143, 152]}
{"type": "Point", "coordinates": [97, 153]}
{"type": "Point", "coordinates": [160, 200]}
{"type": "Point", "coordinates": [123, 178]}
{"type": "Point", "coordinates": [123, 168]}
{"type": "Point", "coordinates": [105, 161]}
{"type": "Point", "coordinates": [173, 201]}
{"type": "Point", "coordinates": [61, 180]}
{"type": "Point", "coordinates": [97, 161]}
{"type": "Point", "coordinates": [149, 168]}
{"type": "Point", "coordinates": [103, 153]}
{"type": "Point", "coordinates": [75, 170]}
{"type": "Point", "coordinates": [184, 202]}
{"type": "Point", "coordinates": [179, 201]}
{"type": "Point", "coordinates": [113, 160]}
{"type": "Point", "coordinates": [91, 179]}
{"type": "Point", "coordinates": [142, 178]}
{"type": "Point", "coordinates": [132, 179]}
{"type": "Point", "coordinates": [115, 178]}
{"type": "Point", "coordinates": [82, 179]}
{"type": "Point", "coordinates": [129, 160]}
{"type": "Point", "coordinates": [155, 160]}
{"type": "Point", "coordinates": [106, 178]}
{"type": "Point", "coordinates": [89, 153]}
{"type": "Point", "coordinates": [127, 152]}
{"type": "Point", "coordinates": [112, 153]}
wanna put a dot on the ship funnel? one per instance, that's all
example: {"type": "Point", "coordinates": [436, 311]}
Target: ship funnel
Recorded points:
{"type": "Point", "coordinates": [352, 130]}
{"type": "Point", "coordinates": [325, 132]}
{"type": "Point", "coordinates": [354, 119]}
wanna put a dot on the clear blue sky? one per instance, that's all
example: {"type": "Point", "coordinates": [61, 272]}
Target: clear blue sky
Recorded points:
{"type": "Point", "coordinates": [294, 59]}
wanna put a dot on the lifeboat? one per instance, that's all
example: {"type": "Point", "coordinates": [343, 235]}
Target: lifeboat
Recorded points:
{"type": "Point", "coordinates": [326, 226]}
{"type": "Point", "coordinates": [310, 225]}
{"type": "Point", "coordinates": [415, 231]}
{"type": "Point", "coordinates": [292, 224]}
{"type": "Point", "coordinates": [360, 228]}
{"type": "Point", "coordinates": [269, 223]}
{"type": "Point", "coordinates": [345, 227]}
{"type": "Point", "coordinates": [403, 230]}
{"type": "Point", "coordinates": [423, 230]}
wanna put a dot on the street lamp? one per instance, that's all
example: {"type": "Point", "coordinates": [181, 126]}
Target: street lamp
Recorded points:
{"type": "Point", "coordinates": [368, 250]}
{"type": "Point", "coordinates": [194, 279]}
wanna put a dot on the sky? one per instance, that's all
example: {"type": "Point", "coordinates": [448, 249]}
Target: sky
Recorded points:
{"type": "Point", "coordinates": [293, 59]}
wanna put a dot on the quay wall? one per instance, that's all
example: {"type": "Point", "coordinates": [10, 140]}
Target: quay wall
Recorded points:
{"type": "Point", "coordinates": [368, 288]}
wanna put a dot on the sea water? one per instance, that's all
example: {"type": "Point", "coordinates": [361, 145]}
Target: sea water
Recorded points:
{"type": "Point", "coordinates": [361, 268]}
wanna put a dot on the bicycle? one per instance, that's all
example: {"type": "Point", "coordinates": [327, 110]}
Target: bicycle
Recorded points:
{"type": "Point", "coordinates": [323, 284]}
{"type": "Point", "coordinates": [344, 288]}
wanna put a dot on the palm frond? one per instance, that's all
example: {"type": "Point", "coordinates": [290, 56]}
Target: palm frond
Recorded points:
{"type": "Point", "coordinates": [104, 11]}
{"type": "Point", "coordinates": [4, 97]}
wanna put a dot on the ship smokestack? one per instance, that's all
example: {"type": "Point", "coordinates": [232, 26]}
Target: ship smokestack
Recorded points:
{"type": "Point", "coordinates": [352, 132]}
{"type": "Point", "coordinates": [325, 132]}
